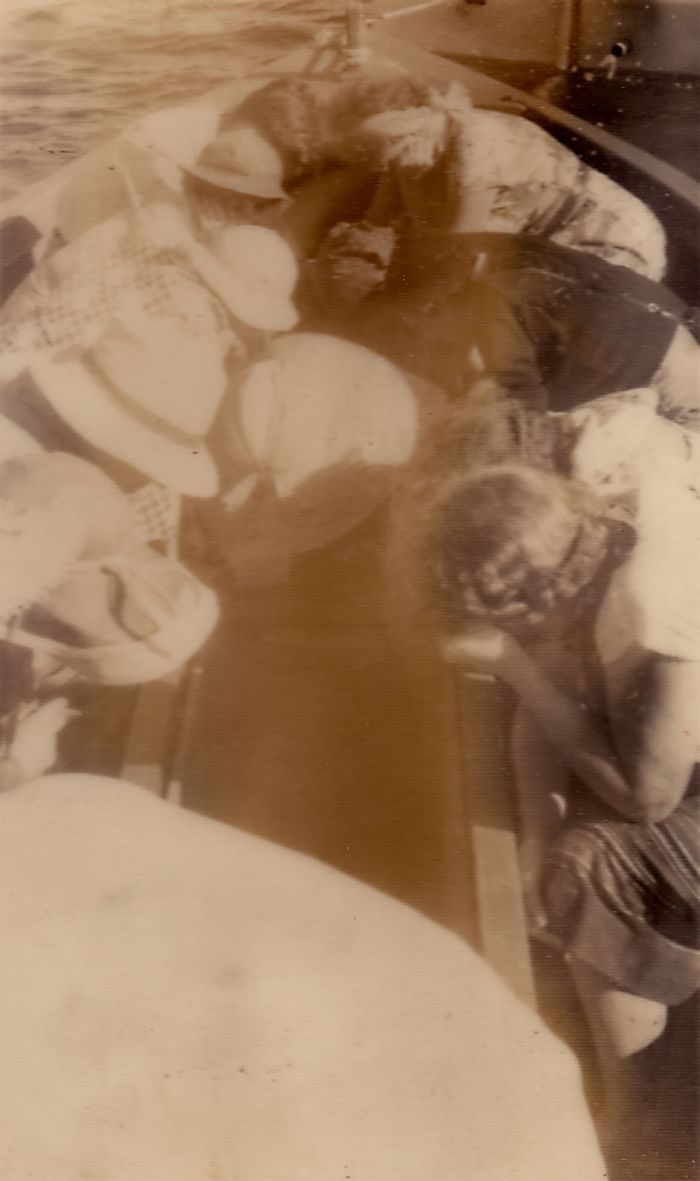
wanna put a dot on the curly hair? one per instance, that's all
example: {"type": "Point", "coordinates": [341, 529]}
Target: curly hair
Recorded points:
{"type": "Point", "coordinates": [294, 114]}
{"type": "Point", "coordinates": [482, 566]}
{"type": "Point", "coordinates": [484, 482]}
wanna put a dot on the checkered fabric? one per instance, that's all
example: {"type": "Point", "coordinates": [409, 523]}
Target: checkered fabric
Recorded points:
{"type": "Point", "coordinates": [155, 511]}
{"type": "Point", "coordinates": [73, 314]}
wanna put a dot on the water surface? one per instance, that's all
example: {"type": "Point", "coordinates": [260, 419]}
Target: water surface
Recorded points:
{"type": "Point", "coordinates": [72, 72]}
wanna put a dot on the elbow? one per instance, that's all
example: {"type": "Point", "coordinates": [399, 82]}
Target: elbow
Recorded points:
{"type": "Point", "coordinates": [651, 811]}
{"type": "Point", "coordinates": [653, 802]}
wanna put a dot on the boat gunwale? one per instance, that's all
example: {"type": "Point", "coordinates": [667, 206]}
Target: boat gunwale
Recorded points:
{"type": "Point", "coordinates": [488, 92]}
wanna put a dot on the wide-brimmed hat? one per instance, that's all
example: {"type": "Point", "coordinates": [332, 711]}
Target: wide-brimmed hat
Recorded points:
{"type": "Point", "coordinates": [68, 548]}
{"type": "Point", "coordinates": [146, 392]}
{"type": "Point", "coordinates": [164, 612]}
{"type": "Point", "coordinates": [148, 161]}
{"type": "Point", "coordinates": [239, 159]}
{"type": "Point", "coordinates": [242, 160]}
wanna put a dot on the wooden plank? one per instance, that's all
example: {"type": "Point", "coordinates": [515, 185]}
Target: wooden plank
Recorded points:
{"type": "Point", "coordinates": [484, 715]}
{"type": "Point", "coordinates": [184, 717]}
{"type": "Point", "coordinates": [151, 732]}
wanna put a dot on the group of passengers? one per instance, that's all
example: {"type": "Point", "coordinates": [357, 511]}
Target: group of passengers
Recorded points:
{"type": "Point", "coordinates": [320, 297]}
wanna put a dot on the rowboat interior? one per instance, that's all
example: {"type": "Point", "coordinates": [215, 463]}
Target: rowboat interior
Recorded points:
{"type": "Point", "coordinates": [302, 720]}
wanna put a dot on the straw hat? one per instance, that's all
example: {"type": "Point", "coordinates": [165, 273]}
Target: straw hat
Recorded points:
{"type": "Point", "coordinates": [239, 159]}
{"type": "Point", "coordinates": [160, 617]}
{"type": "Point", "coordinates": [146, 392]}
{"type": "Point", "coordinates": [243, 161]}
{"type": "Point", "coordinates": [67, 545]}
{"type": "Point", "coordinates": [148, 160]}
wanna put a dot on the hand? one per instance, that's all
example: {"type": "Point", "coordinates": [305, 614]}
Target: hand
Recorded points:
{"type": "Point", "coordinates": [484, 650]}
{"type": "Point", "coordinates": [34, 747]}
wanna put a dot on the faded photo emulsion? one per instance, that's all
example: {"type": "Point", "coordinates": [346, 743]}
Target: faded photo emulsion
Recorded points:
{"type": "Point", "coordinates": [350, 590]}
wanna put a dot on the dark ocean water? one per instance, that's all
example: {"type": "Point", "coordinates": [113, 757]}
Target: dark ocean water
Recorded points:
{"type": "Point", "coordinates": [74, 71]}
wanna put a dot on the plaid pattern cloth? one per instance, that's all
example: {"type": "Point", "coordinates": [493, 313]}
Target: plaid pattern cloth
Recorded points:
{"type": "Point", "coordinates": [103, 283]}
{"type": "Point", "coordinates": [155, 511]}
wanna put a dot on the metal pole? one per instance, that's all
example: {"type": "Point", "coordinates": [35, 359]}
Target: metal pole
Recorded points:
{"type": "Point", "coordinates": [569, 35]}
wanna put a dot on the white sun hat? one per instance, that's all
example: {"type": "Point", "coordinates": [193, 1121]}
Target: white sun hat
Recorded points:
{"type": "Point", "coordinates": [147, 391]}
{"type": "Point", "coordinates": [148, 161]}
{"type": "Point", "coordinates": [318, 402]}
{"type": "Point", "coordinates": [175, 612]}
{"type": "Point", "coordinates": [260, 275]}
{"type": "Point", "coordinates": [242, 160]}
{"type": "Point", "coordinates": [67, 545]}
{"type": "Point", "coordinates": [239, 159]}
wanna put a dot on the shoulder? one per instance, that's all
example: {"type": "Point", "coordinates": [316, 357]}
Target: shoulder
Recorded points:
{"type": "Point", "coordinates": [647, 469]}
{"type": "Point", "coordinates": [511, 142]}
{"type": "Point", "coordinates": [653, 600]}
{"type": "Point", "coordinates": [612, 436]}
{"type": "Point", "coordinates": [621, 444]}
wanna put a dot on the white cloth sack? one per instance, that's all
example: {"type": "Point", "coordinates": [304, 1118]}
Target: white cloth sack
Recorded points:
{"type": "Point", "coordinates": [185, 1001]}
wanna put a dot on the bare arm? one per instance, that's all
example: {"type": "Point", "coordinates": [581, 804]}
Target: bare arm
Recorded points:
{"type": "Point", "coordinates": [642, 766]}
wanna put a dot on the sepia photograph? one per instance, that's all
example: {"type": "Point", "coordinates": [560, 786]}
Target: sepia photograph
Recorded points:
{"type": "Point", "coordinates": [350, 590]}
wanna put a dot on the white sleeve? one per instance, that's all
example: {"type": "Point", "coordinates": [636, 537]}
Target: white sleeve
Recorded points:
{"type": "Point", "coordinates": [653, 601]}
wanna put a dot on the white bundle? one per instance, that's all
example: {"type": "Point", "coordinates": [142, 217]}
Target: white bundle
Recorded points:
{"type": "Point", "coordinates": [186, 1001]}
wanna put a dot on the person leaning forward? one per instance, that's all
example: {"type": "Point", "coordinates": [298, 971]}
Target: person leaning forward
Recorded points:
{"type": "Point", "coordinates": [553, 326]}
{"type": "Point", "coordinates": [120, 344]}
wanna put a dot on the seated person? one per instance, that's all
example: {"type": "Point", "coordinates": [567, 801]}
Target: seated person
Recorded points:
{"type": "Point", "coordinates": [186, 1000]}
{"type": "Point", "coordinates": [453, 167]}
{"type": "Point", "coordinates": [122, 342]}
{"type": "Point", "coordinates": [581, 594]}
{"type": "Point", "coordinates": [260, 151]}
{"type": "Point", "coordinates": [552, 326]}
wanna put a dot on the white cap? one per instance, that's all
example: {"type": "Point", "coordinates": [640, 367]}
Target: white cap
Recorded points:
{"type": "Point", "coordinates": [261, 274]}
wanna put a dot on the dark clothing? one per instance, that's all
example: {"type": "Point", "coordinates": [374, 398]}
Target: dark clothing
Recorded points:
{"type": "Point", "coordinates": [556, 327]}
{"type": "Point", "coordinates": [16, 688]}
{"type": "Point", "coordinates": [625, 899]}
{"type": "Point", "coordinates": [18, 236]}
{"type": "Point", "coordinates": [24, 404]}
